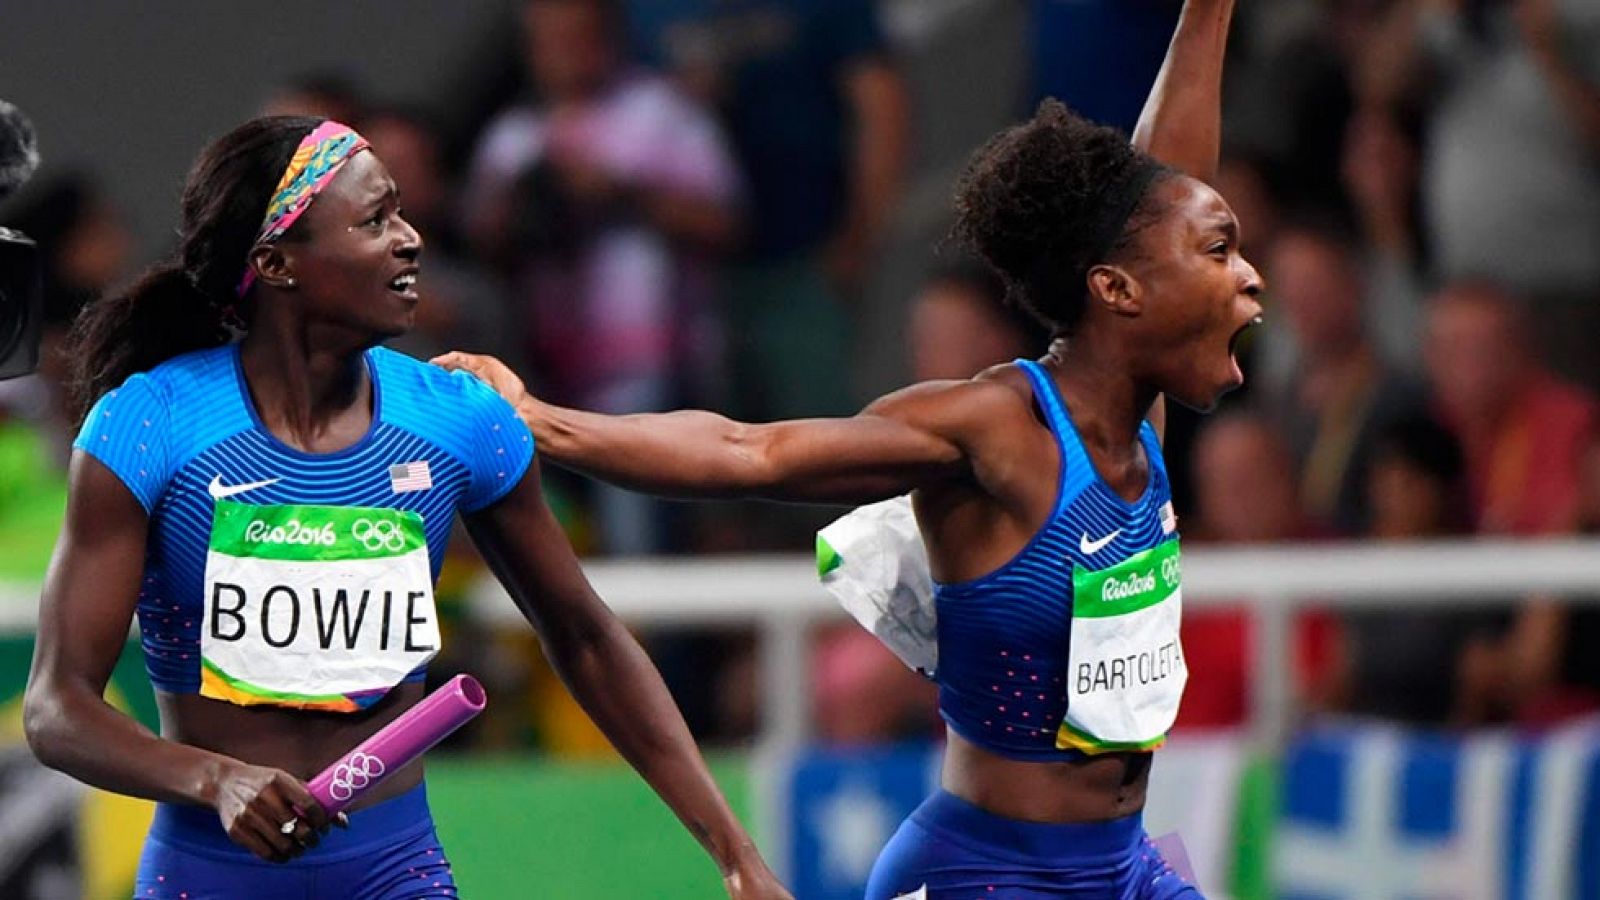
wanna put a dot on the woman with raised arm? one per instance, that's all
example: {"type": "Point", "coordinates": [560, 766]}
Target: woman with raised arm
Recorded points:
{"type": "Point", "coordinates": [275, 509]}
{"type": "Point", "coordinates": [1039, 488]}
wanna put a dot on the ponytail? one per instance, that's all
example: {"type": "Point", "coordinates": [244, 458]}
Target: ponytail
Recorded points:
{"type": "Point", "coordinates": [190, 302]}
{"type": "Point", "coordinates": [156, 318]}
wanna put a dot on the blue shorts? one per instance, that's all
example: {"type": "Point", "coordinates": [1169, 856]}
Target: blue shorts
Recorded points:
{"type": "Point", "coordinates": [389, 852]}
{"type": "Point", "coordinates": [950, 849]}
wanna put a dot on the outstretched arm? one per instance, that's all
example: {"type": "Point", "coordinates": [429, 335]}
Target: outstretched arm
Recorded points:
{"type": "Point", "coordinates": [611, 676]}
{"type": "Point", "coordinates": [1181, 124]}
{"type": "Point", "coordinates": [906, 440]}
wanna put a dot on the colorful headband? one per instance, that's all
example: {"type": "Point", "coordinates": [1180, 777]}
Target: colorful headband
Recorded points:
{"type": "Point", "coordinates": [311, 168]}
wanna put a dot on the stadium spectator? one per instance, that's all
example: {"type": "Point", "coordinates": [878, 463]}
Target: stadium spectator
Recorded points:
{"type": "Point", "coordinates": [1510, 180]}
{"type": "Point", "coordinates": [1407, 663]}
{"type": "Point", "coordinates": [1339, 389]}
{"type": "Point", "coordinates": [1245, 493]}
{"type": "Point", "coordinates": [1547, 671]}
{"type": "Point", "coordinates": [1381, 173]}
{"type": "Point", "coordinates": [1523, 430]}
{"type": "Point", "coordinates": [818, 116]}
{"type": "Point", "coordinates": [960, 324]}
{"type": "Point", "coordinates": [603, 203]}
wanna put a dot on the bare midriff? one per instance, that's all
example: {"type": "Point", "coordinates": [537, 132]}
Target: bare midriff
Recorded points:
{"type": "Point", "coordinates": [299, 742]}
{"type": "Point", "coordinates": [1085, 789]}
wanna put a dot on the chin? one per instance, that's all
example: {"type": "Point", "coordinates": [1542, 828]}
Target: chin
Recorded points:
{"type": "Point", "coordinates": [1205, 400]}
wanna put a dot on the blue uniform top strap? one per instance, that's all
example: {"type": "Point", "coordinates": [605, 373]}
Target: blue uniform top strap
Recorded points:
{"type": "Point", "coordinates": [1076, 470]}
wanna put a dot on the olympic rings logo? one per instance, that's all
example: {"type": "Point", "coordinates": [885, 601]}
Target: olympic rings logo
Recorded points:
{"type": "Point", "coordinates": [383, 534]}
{"type": "Point", "coordinates": [354, 774]}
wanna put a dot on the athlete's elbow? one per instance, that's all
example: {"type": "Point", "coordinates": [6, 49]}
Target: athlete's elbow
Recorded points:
{"type": "Point", "coordinates": [755, 460]}
{"type": "Point", "coordinates": [46, 725]}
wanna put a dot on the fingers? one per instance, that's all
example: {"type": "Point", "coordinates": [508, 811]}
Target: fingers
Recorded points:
{"type": "Point", "coordinates": [287, 816]}
{"type": "Point", "coordinates": [303, 803]}
{"type": "Point", "coordinates": [244, 834]}
{"type": "Point", "coordinates": [259, 832]}
{"type": "Point", "coordinates": [456, 361]}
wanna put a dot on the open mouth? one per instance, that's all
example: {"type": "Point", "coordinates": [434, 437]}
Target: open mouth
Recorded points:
{"type": "Point", "coordinates": [405, 284]}
{"type": "Point", "coordinates": [1233, 345]}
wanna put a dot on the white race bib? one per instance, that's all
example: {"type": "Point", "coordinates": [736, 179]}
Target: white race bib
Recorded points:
{"type": "Point", "coordinates": [1127, 668]}
{"type": "Point", "coordinates": [315, 607]}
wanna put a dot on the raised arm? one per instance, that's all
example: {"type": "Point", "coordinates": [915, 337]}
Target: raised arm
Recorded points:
{"type": "Point", "coordinates": [1181, 124]}
{"type": "Point", "coordinates": [611, 676]}
{"type": "Point", "coordinates": [88, 602]}
{"type": "Point", "coordinates": [906, 440]}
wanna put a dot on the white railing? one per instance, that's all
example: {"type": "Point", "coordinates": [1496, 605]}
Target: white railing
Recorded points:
{"type": "Point", "coordinates": [781, 598]}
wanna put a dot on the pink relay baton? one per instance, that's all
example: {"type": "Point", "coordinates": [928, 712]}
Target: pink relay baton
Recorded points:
{"type": "Point", "coordinates": [397, 743]}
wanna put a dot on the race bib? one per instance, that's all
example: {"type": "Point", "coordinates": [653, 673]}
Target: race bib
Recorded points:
{"type": "Point", "coordinates": [315, 607]}
{"type": "Point", "coordinates": [1127, 670]}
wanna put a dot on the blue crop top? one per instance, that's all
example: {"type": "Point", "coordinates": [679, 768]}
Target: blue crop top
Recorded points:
{"type": "Point", "coordinates": [1005, 638]}
{"type": "Point", "coordinates": [187, 432]}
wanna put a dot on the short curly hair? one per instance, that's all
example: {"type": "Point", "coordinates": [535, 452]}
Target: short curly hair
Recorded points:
{"type": "Point", "coordinates": [1036, 201]}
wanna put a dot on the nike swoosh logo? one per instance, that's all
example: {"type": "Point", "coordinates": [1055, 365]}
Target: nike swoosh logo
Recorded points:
{"type": "Point", "coordinates": [218, 490]}
{"type": "Point", "coordinates": [920, 893]}
{"type": "Point", "coordinates": [1086, 546]}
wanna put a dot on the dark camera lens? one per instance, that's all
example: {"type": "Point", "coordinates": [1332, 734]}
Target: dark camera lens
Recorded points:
{"type": "Point", "coordinates": [21, 301]}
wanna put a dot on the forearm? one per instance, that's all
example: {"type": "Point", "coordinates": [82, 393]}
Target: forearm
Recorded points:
{"type": "Point", "coordinates": [78, 733]}
{"type": "Point", "coordinates": [615, 682]}
{"type": "Point", "coordinates": [689, 453]}
{"type": "Point", "coordinates": [1181, 124]}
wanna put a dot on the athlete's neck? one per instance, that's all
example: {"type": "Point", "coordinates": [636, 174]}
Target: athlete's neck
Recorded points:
{"type": "Point", "coordinates": [1108, 404]}
{"type": "Point", "coordinates": [305, 390]}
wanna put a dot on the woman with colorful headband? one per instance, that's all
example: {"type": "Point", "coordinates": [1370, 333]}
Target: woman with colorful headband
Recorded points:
{"type": "Point", "coordinates": [1039, 489]}
{"type": "Point", "coordinates": [275, 508]}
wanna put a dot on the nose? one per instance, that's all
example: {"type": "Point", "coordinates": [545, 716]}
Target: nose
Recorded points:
{"type": "Point", "coordinates": [1251, 283]}
{"type": "Point", "coordinates": [409, 241]}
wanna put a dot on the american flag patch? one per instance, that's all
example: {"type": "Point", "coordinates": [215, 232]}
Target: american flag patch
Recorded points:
{"type": "Point", "coordinates": [411, 476]}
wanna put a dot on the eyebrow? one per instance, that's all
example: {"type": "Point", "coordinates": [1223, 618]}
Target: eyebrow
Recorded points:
{"type": "Point", "coordinates": [1229, 228]}
{"type": "Point", "coordinates": [390, 191]}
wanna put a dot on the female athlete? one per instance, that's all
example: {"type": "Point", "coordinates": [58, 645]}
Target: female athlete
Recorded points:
{"type": "Point", "coordinates": [276, 509]}
{"type": "Point", "coordinates": [1039, 488]}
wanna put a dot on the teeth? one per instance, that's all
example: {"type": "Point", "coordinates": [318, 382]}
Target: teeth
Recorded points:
{"type": "Point", "coordinates": [403, 282]}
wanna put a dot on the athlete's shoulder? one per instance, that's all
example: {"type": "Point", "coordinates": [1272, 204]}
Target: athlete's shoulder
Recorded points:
{"type": "Point", "coordinates": [186, 373]}
{"type": "Point", "coordinates": [415, 384]}
{"type": "Point", "coordinates": [968, 411]}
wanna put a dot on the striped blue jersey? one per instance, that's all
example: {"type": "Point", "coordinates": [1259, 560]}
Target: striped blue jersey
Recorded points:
{"type": "Point", "coordinates": [185, 436]}
{"type": "Point", "coordinates": [1005, 638]}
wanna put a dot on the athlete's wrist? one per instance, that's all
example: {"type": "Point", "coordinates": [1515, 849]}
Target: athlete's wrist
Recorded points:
{"type": "Point", "coordinates": [740, 855]}
{"type": "Point", "coordinates": [210, 772]}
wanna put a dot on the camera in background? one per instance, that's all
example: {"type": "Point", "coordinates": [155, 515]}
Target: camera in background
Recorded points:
{"type": "Point", "coordinates": [21, 274]}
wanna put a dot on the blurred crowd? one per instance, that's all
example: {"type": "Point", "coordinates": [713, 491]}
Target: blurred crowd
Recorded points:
{"type": "Point", "coordinates": [659, 203]}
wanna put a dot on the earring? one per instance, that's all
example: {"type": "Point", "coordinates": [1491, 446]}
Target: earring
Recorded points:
{"type": "Point", "coordinates": [290, 282]}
